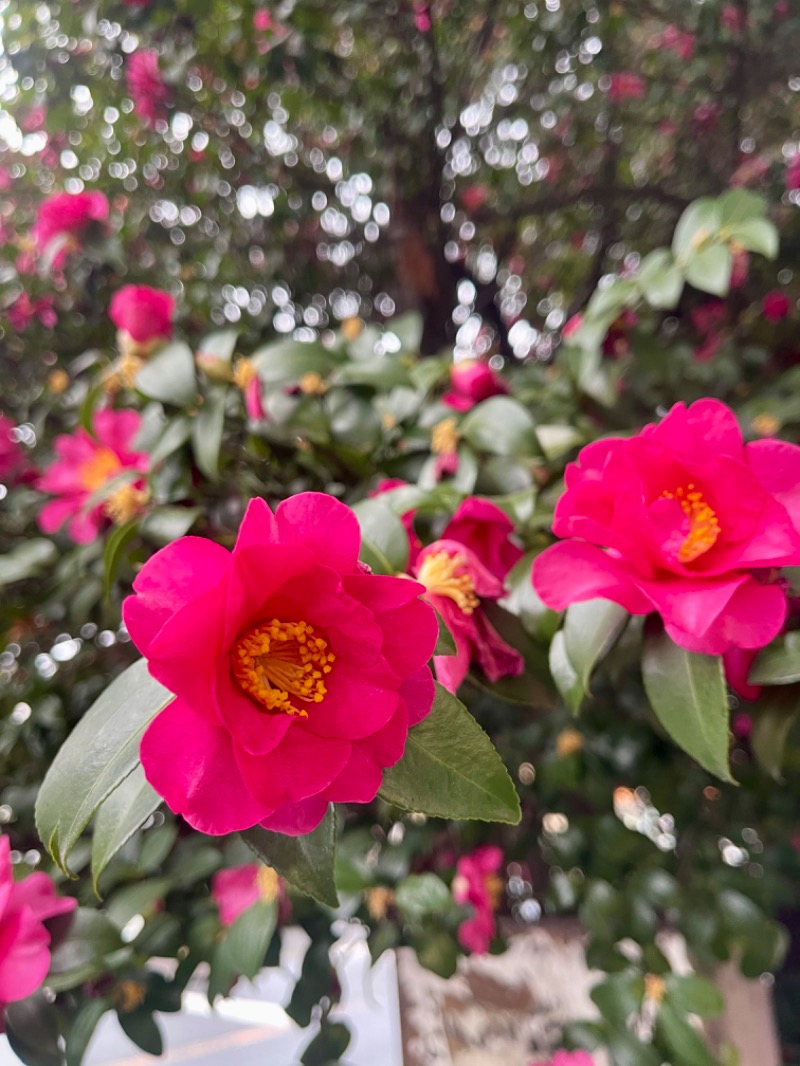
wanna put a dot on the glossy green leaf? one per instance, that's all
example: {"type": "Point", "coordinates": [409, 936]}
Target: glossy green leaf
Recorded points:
{"type": "Point", "coordinates": [660, 279]}
{"type": "Point", "coordinates": [91, 940]}
{"type": "Point", "coordinates": [96, 757]}
{"type": "Point", "coordinates": [380, 372]}
{"type": "Point", "coordinates": [126, 810]}
{"type": "Point", "coordinates": [618, 997]}
{"type": "Point", "coordinates": [169, 376]}
{"type": "Point", "coordinates": [450, 769]}
{"type": "Point", "coordinates": [243, 947]}
{"type": "Point", "coordinates": [687, 692]}
{"type": "Point", "coordinates": [757, 235]}
{"type": "Point", "coordinates": [384, 541]}
{"type": "Point", "coordinates": [165, 524]}
{"type": "Point", "coordinates": [773, 717]}
{"type": "Point", "coordinates": [288, 360]}
{"type": "Point", "coordinates": [422, 895]}
{"type": "Point", "coordinates": [307, 862]}
{"type": "Point", "coordinates": [82, 1029]}
{"type": "Point", "coordinates": [221, 344]}
{"type": "Point", "coordinates": [114, 550]}
{"type": "Point", "coordinates": [564, 673]}
{"type": "Point", "coordinates": [737, 206]}
{"type": "Point", "coordinates": [31, 1027]}
{"type": "Point", "coordinates": [500, 426]}
{"type": "Point", "coordinates": [709, 270]}
{"type": "Point", "coordinates": [207, 432]}
{"type": "Point", "coordinates": [700, 221]}
{"type": "Point", "coordinates": [142, 1028]}
{"type": "Point", "coordinates": [174, 435]}
{"type": "Point", "coordinates": [693, 994]}
{"type": "Point", "coordinates": [683, 1040]}
{"type": "Point", "coordinates": [445, 645]}
{"type": "Point", "coordinates": [408, 328]}
{"type": "Point", "coordinates": [27, 560]}
{"type": "Point", "coordinates": [590, 631]}
{"type": "Point", "coordinates": [778, 663]}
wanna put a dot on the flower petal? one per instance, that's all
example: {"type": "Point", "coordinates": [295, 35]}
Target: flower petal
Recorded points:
{"type": "Point", "coordinates": [300, 767]}
{"type": "Point", "coordinates": [323, 525]}
{"type": "Point", "coordinates": [572, 571]}
{"type": "Point", "coordinates": [297, 819]}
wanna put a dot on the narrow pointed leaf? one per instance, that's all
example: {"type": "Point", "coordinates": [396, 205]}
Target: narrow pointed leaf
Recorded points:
{"type": "Point", "coordinates": [126, 810]}
{"type": "Point", "coordinates": [590, 631]}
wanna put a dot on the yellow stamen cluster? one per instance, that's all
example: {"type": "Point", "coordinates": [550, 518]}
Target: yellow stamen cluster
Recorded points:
{"type": "Point", "coordinates": [58, 381]}
{"type": "Point", "coordinates": [268, 884]}
{"type": "Point", "coordinates": [125, 504]}
{"type": "Point", "coordinates": [494, 890]}
{"type": "Point", "coordinates": [99, 469]}
{"type": "Point", "coordinates": [122, 373]}
{"type": "Point", "coordinates": [351, 328]}
{"type": "Point", "coordinates": [280, 660]}
{"type": "Point", "coordinates": [654, 987]}
{"type": "Point", "coordinates": [311, 384]}
{"type": "Point", "coordinates": [244, 373]}
{"type": "Point", "coordinates": [128, 995]}
{"type": "Point", "coordinates": [704, 526]}
{"type": "Point", "coordinates": [568, 742]}
{"type": "Point", "coordinates": [765, 425]}
{"type": "Point", "coordinates": [378, 901]}
{"type": "Point", "coordinates": [444, 438]}
{"type": "Point", "coordinates": [129, 346]}
{"type": "Point", "coordinates": [439, 573]}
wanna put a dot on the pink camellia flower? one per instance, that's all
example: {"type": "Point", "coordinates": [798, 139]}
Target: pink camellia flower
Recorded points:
{"type": "Point", "coordinates": [63, 217]}
{"type": "Point", "coordinates": [24, 310]}
{"type": "Point", "coordinates": [792, 178]}
{"type": "Point", "coordinates": [456, 581]}
{"type": "Point", "coordinates": [486, 530]}
{"type": "Point", "coordinates": [626, 86]}
{"type": "Point", "coordinates": [470, 382]}
{"type": "Point", "coordinates": [568, 1058]}
{"type": "Point", "coordinates": [297, 673]}
{"type": "Point", "coordinates": [775, 306]}
{"type": "Point", "coordinates": [476, 883]}
{"type": "Point", "coordinates": [475, 196]}
{"type": "Point", "coordinates": [262, 20]}
{"type": "Point", "coordinates": [12, 457]}
{"type": "Point", "coordinates": [740, 269]}
{"type": "Point", "coordinates": [146, 86]}
{"type": "Point", "coordinates": [143, 317]}
{"type": "Point", "coordinates": [235, 890]}
{"type": "Point", "coordinates": [731, 18]}
{"type": "Point", "coordinates": [84, 465]}
{"type": "Point", "coordinates": [694, 524]}
{"type": "Point", "coordinates": [571, 326]}
{"type": "Point", "coordinates": [407, 518]}
{"type": "Point", "coordinates": [706, 117]}
{"type": "Point", "coordinates": [422, 16]}
{"type": "Point", "coordinates": [24, 939]}
{"type": "Point", "coordinates": [678, 41]}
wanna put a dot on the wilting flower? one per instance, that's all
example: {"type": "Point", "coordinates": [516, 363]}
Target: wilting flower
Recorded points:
{"type": "Point", "coordinates": [486, 530]}
{"type": "Point", "coordinates": [24, 940]}
{"type": "Point", "coordinates": [86, 464]}
{"type": "Point", "coordinates": [626, 86]}
{"type": "Point", "coordinates": [63, 217]}
{"type": "Point", "coordinates": [470, 382]}
{"type": "Point", "coordinates": [568, 1058]}
{"type": "Point", "coordinates": [143, 317]}
{"type": "Point", "coordinates": [476, 883]}
{"type": "Point", "coordinates": [297, 673]}
{"type": "Point", "coordinates": [775, 306]}
{"type": "Point", "coordinates": [146, 86]}
{"type": "Point", "coordinates": [235, 890]}
{"type": "Point", "coordinates": [456, 581]}
{"type": "Point", "coordinates": [694, 524]}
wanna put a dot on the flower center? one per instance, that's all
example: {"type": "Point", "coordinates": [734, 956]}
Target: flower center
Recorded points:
{"type": "Point", "coordinates": [439, 574]}
{"type": "Point", "coordinates": [267, 883]}
{"type": "Point", "coordinates": [280, 660]}
{"type": "Point", "coordinates": [703, 523]}
{"type": "Point", "coordinates": [102, 466]}
{"type": "Point", "coordinates": [444, 437]}
{"type": "Point", "coordinates": [125, 504]}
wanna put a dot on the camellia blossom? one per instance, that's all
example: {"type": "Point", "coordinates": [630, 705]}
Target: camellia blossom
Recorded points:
{"type": "Point", "coordinates": [146, 86]}
{"type": "Point", "coordinates": [568, 1058]}
{"type": "Point", "coordinates": [143, 317]}
{"type": "Point", "coordinates": [792, 177]}
{"type": "Point", "coordinates": [12, 457]}
{"type": "Point", "coordinates": [297, 672]}
{"type": "Point", "coordinates": [470, 382]}
{"type": "Point", "coordinates": [482, 527]}
{"type": "Point", "coordinates": [694, 524]}
{"type": "Point", "coordinates": [775, 306]}
{"type": "Point", "coordinates": [64, 217]}
{"type": "Point", "coordinates": [455, 581]}
{"type": "Point", "coordinates": [626, 86]}
{"type": "Point", "coordinates": [477, 883]}
{"type": "Point", "coordinates": [235, 890]}
{"type": "Point", "coordinates": [84, 465]}
{"type": "Point", "coordinates": [24, 940]}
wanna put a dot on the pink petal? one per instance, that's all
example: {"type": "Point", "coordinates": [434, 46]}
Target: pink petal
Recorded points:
{"type": "Point", "coordinates": [191, 763]}
{"type": "Point", "coordinates": [254, 730]}
{"type": "Point", "coordinates": [382, 593]}
{"type": "Point", "coordinates": [776, 464]}
{"type": "Point", "coordinates": [116, 429]}
{"type": "Point", "coordinates": [387, 745]}
{"type": "Point", "coordinates": [410, 635]}
{"type": "Point", "coordinates": [84, 528]}
{"type": "Point", "coordinates": [24, 955]}
{"type": "Point", "coordinates": [358, 781]}
{"type": "Point", "coordinates": [324, 525]}
{"type": "Point", "coordinates": [417, 693]}
{"type": "Point", "coordinates": [55, 513]}
{"type": "Point", "coordinates": [38, 893]}
{"type": "Point", "coordinates": [303, 765]}
{"type": "Point", "coordinates": [571, 572]}
{"type": "Point", "coordinates": [751, 616]}
{"type": "Point", "coordinates": [495, 657]}
{"type": "Point", "coordinates": [357, 703]}
{"type": "Point", "coordinates": [258, 527]}
{"type": "Point", "coordinates": [297, 819]}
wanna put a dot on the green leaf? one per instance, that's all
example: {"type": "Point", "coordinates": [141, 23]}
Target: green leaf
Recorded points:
{"type": "Point", "coordinates": [564, 673]}
{"type": "Point", "coordinates": [661, 279]}
{"type": "Point", "coordinates": [699, 222]}
{"type": "Point", "coordinates": [165, 524]}
{"type": "Point", "coordinates": [778, 663]}
{"type": "Point", "coordinates": [115, 545]}
{"type": "Point", "coordinates": [556, 441]}
{"type": "Point", "coordinates": [773, 717]}
{"type": "Point", "coordinates": [379, 372]}
{"type": "Point", "coordinates": [450, 769]}
{"type": "Point", "coordinates": [31, 1026]}
{"type": "Point", "coordinates": [757, 235]}
{"type": "Point", "coordinates": [627, 1050]}
{"type": "Point", "coordinates": [91, 940]}
{"type": "Point", "coordinates": [243, 947]}
{"type": "Point", "coordinates": [618, 997]}
{"type": "Point", "coordinates": [740, 205]}
{"type": "Point", "coordinates": [83, 1027]}
{"type": "Point", "coordinates": [141, 1028]}
{"type": "Point", "coordinates": [126, 810]}
{"type": "Point", "coordinates": [445, 645]}
{"type": "Point", "coordinates": [687, 692]}
{"type": "Point", "coordinates": [174, 436]}
{"type": "Point", "coordinates": [500, 426]}
{"type": "Point", "coordinates": [328, 1045]}
{"type": "Point", "coordinates": [523, 601]}
{"type": "Point", "coordinates": [384, 541]}
{"type": "Point", "coordinates": [709, 270]}
{"type": "Point", "coordinates": [408, 327]}
{"type": "Point", "coordinates": [96, 757]}
{"type": "Point", "coordinates": [422, 895]}
{"type": "Point", "coordinates": [693, 994]}
{"type": "Point", "coordinates": [221, 344]}
{"type": "Point", "coordinates": [28, 559]}
{"type": "Point", "coordinates": [207, 432]}
{"type": "Point", "coordinates": [169, 376]}
{"type": "Point", "coordinates": [590, 631]}
{"type": "Point", "coordinates": [288, 360]}
{"type": "Point", "coordinates": [307, 862]}
{"type": "Point", "coordinates": [437, 951]}
{"type": "Point", "coordinates": [683, 1041]}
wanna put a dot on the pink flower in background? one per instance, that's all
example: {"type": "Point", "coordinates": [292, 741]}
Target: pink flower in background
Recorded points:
{"type": "Point", "coordinates": [470, 382]}
{"type": "Point", "coordinates": [269, 649]}
{"type": "Point", "coordinates": [84, 465]}
{"type": "Point", "coordinates": [737, 663]}
{"type": "Point", "coordinates": [262, 20]}
{"type": "Point", "coordinates": [571, 326]}
{"type": "Point", "coordinates": [486, 530]}
{"type": "Point", "coordinates": [24, 940]}
{"type": "Point", "coordinates": [706, 117]}
{"type": "Point", "coordinates": [775, 306]}
{"type": "Point", "coordinates": [740, 269]}
{"type": "Point", "coordinates": [236, 889]}
{"type": "Point", "coordinates": [254, 400]}
{"type": "Point", "coordinates": [12, 457]}
{"type": "Point", "coordinates": [422, 16]}
{"type": "Point", "coordinates": [678, 41]}
{"type": "Point", "coordinates": [750, 171]}
{"type": "Point", "coordinates": [24, 310]}
{"type": "Point", "coordinates": [792, 178]}
{"type": "Point", "coordinates": [731, 18]}
{"type": "Point", "coordinates": [456, 581]}
{"type": "Point", "coordinates": [477, 884]}
{"type": "Point", "coordinates": [407, 518]}
{"type": "Point", "coordinates": [146, 86]}
{"type": "Point", "coordinates": [683, 519]}
{"type": "Point", "coordinates": [64, 217]}
{"type": "Point", "coordinates": [568, 1058]}
{"type": "Point", "coordinates": [626, 86]}
{"type": "Point", "coordinates": [475, 196]}
{"type": "Point", "coordinates": [144, 314]}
